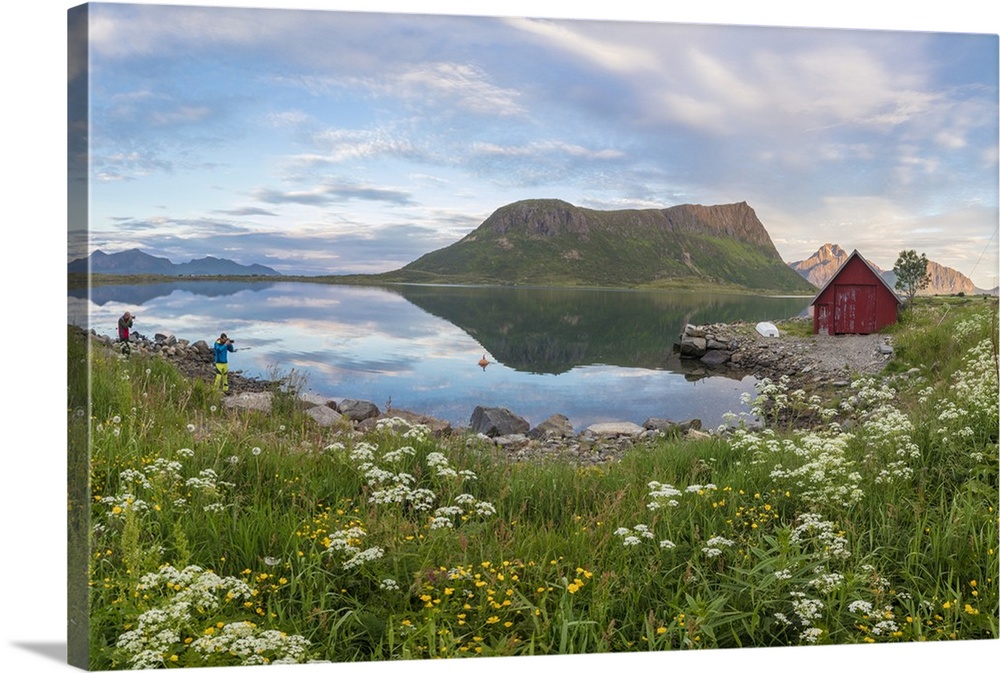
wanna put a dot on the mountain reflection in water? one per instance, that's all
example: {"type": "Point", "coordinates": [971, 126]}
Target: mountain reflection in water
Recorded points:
{"type": "Point", "coordinates": [593, 355]}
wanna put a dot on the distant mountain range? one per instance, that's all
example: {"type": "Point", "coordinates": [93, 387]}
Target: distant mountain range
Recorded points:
{"type": "Point", "coordinates": [551, 242]}
{"type": "Point", "coordinates": [823, 264]}
{"type": "Point", "coordinates": [136, 262]}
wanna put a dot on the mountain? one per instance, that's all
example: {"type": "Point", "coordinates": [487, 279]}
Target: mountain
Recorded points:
{"type": "Point", "coordinates": [137, 262]}
{"type": "Point", "coordinates": [551, 242]}
{"type": "Point", "coordinates": [820, 267]}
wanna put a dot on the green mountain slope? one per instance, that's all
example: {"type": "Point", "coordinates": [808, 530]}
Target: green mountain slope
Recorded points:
{"type": "Point", "coordinates": [551, 242]}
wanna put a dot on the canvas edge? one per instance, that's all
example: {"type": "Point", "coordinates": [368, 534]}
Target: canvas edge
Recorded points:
{"type": "Point", "coordinates": [78, 368]}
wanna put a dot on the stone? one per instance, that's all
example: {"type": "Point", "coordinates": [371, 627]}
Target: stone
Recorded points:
{"type": "Point", "coordinates": [691, 424]}
{"type": "Point", "coordinates": [693, 346]}
{"type": "Point", "coordinates": [324, 415]}
{"type": "Point", "coordinates": [358, 410]}
{"type": "Point", "coordinates": [249, 401]}
{"type": "Point", "coordinates": [694, 331]}
{"type": "Point", "coordinates": [511, 441]}
{"type": "Point", "coordinates": [556, 425]}
{"type": "Point", "coordinates": [308, 400]}
{"type": "Point", "coordinates": [437, 426]}
{"type": "Point", "coordinates": [615, 429]}
{"type": "Point", "coordinates": [715, 345]}
{"type": "Point", "coordinates": [496, 421]}
{"type": "Point", "coordinates": [667, 427]}
{"type": "Point", "coordinates": [715, 358]}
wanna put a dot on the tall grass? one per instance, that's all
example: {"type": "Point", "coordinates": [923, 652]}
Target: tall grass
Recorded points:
{"type": "Point", "coordinates": [230, 537]}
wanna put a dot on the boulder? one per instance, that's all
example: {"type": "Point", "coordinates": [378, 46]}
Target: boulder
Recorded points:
{"type": "Point", "coordinates": [690, 424]}
{"type": "Point", "coordinates": [249, 401]}
{"type": "Point", "coordinates": [695, 331]}
{"type": "Point", "coordinates": [324, 415]}
{"type": "Point", "coordinates": [437, 426]}
{"type": "Point", "coordinates": [714, 358]}
{"type": "Point", "coordinates": [556, 425]}
{"type": "Point", "coordinates": [667, 427]}
{"type": "Point", "coordinates": [308, 400]}
{"type": "Point", "coordinates": [615, 429]}
{"type": "Point", "coordinates": [497, 421]}
{"type": "Point", "coordinates": [358, 410]}
{"type": "Point", "coordinates": [692, 346]}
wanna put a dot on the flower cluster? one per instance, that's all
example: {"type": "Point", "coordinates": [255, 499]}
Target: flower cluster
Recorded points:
{"type": "Point", "coordinates": [661, 494]}
{"type": "Point", "coordinates": [182, 598]}
{"type": "Point", "coordinates": [635, 535]}
{"type": "Point", "coordinates": [813, 528]}
{"type": "Point", "coordinates": [385, 470]}
{"type": "Point", "coordinates": [348, 543]}
{"type": "Point", "coordinates": [972, 405]}
{"type": "Point", "coordinates": [714, 546]}
{"type": "Point", "coordinates": [816, 464]}
{"type": "Point", "coordinates": [244, 643]}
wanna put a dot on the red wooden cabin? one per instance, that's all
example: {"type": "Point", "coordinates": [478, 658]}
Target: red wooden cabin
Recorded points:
{"type": "Point", "coordinates": [857, 300]}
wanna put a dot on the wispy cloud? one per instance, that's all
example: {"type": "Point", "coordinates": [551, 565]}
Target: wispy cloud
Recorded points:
{"type": "Point", "coordinates": [338, 192]}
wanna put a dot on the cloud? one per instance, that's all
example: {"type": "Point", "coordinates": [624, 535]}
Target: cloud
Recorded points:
{"type": "Point", "coordinates": [338, 145]}
{"type": "Point", "coordinates": [619, 57]}
{"type": "Point", "coordinates": [461, 85]}
{"type": "Point", "coordinates": [543, 148]}
{"type": "Point", "coordinates": [184, 114]}
{"type": "Point", "coordinates": [337, 192]}
{"type": "Point", "coordinates": [248, 211]}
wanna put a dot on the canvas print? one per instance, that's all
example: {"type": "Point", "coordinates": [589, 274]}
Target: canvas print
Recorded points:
{"type": "Point", "coordinates": [409, 336]}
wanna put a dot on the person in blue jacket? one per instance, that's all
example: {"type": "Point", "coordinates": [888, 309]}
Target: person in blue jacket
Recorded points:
{"type": "Point", "coordinates": [223, 347]}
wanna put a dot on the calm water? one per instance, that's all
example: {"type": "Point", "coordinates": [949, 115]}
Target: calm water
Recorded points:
{"type": "Point", "coordinates": [593, 355]}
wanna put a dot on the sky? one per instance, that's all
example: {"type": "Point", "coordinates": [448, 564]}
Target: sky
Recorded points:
{"type": "Point", "coordinates": [329, 142]}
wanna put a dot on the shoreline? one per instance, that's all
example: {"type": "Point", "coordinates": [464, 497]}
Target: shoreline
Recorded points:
{"type": "Point", "coordinates": [809, 362]}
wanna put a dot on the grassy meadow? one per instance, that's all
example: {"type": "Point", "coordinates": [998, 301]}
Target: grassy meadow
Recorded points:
{"type": "Point", "coordinates": [221, 538]}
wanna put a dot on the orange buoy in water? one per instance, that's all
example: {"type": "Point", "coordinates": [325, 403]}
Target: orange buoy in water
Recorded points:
{"type": "Point", "coordinates": [483, 362]}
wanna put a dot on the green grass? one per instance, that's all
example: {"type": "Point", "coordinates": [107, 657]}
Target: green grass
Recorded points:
{"type": "Point", "coordinates": [882, 529]}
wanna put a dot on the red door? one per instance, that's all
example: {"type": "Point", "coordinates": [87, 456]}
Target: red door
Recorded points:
{"type": "Point", "coordinates": [854, 309]}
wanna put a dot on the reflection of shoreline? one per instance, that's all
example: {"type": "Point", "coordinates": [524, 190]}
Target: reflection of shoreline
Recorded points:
{"type": "Point", "coordinates": [554, 330]}
{"type": "Point", "coordinates": [139, 294]}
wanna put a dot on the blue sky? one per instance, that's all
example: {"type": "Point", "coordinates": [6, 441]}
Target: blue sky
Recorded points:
{"type": "Point", "coordinates": [334, 142]}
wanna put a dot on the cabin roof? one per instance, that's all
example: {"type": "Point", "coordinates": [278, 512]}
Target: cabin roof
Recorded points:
{"type": "Point", "coordinates": [874, 272]}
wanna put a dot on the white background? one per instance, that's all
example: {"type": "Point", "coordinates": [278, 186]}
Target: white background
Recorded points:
{"type": "Point", "coordinates": [33, 548]}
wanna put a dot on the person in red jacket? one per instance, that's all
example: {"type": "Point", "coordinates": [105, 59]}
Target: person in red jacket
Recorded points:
{"type": "Point", "coordinates": [124, 325]}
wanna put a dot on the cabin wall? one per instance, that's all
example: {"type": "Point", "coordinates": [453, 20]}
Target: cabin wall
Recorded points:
{"type": "Point", "coordinates": [855, 302]}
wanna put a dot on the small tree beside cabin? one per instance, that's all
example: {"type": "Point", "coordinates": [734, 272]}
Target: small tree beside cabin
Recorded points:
{"type": "Point", "coordinates": [856, 300]}
{"type": "Point", "coordinates": [911, 273]}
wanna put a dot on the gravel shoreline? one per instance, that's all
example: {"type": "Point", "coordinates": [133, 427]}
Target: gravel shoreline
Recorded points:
{"type": "Point", "coordinates": [808, 361]}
